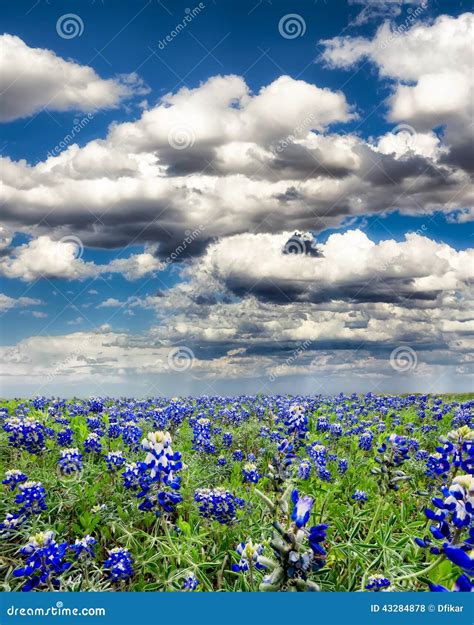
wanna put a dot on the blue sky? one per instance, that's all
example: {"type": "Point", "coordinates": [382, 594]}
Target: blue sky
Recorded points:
{"type": "Point", "coordinates": [352, 129]}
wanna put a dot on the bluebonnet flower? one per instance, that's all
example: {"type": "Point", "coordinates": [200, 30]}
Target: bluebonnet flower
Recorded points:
{"type": "Point", "coordinates": [131, 435]}
{"type": "Point", "coordinates": [322, 424]}
{"type": "Point", "coordinates": [365, 441]}
{"type": "Point", "coordinates": [83, 547]}
{"type": "Point", "coordinates": [302, 508]}
{"type": "Point", "coordinates": [221, 461]}
{"type": "Point", "coordinates": [11, 522]}
{"type": "Point", "coordinates": [27, 434]}
{"type": "Point", "coordinates": [114, 430]}
{"type": "Point", "coordinates": [94, 423]}
{"type": "Point", "coordinates": [297, 421]}
{"type": "Point", "coordinates": [135, 476]}
{"type": "Point", "coordinates": [304, 470]}
{"type": "Point", "coordinates": [31, 498]}
{"type": "Point", "coordinates": [162, 468]}
{"type": "Point", "coordinates": [317, 453]}
{"type": "Point", "coordinates": [115, 460]}
{"type": "Point", "coordinates": [335, 429]}
{"type": "Point", "coordinates": [120, 564]}
{"type": "Point", "coordinates": [201, 434]}
{"type": "Point", "coordinates": [251, 457]}
{"type": "Point", "coordinates": [39, 403]}
{"type": "Point", "coordinates": [248, 553]}
{"type": "Point", "coordinates": [455, 514]}
{"type": "Point", "coordinates": [218, 504]}
{"type": "Point", "coordinates": [378, 583]}
{"type": "Point", "coordinates": [190, 582]}
{"type": "Point", "coordinates": [324, 474]}
{"type": "Point", "coordinates": [462, 584]}
{"type": "Point", "coordinates": [70, 461]}
{"type": "Point", "coordinates": [96, 404]}
{"type": "Point", "coordinates": [238, 455]}
{"type": "Point", "coordinates": [316, 536]}
{"type": "Point", "coordinates": [13, 478]}
{"type": "Point", "coordinates": [44, 561]}
{"type": "Point", "coordinates": [250, 473]}
{"type": "Point", "coordinates": [342, 466]}
{"type": "Point", "coordinates": [360, 495]}
{"type": "Point", "coordinates": [227, 439]}
{"type": "Point", "coordinates": [92, 443]}
{"type": "Point", "coordinates": [65, 437]}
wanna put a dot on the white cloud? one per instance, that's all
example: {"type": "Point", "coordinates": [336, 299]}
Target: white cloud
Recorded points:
{"type": "Point", "coordinates": [6, 302]}
{"type": "Point", "coordinates": [436, 57]}
{"type": "Point", "coordinates": [46, 258]}
{"type": "Point", "coordinates": [34, 78]}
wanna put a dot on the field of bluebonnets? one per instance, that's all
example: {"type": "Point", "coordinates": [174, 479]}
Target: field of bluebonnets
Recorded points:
{"type": "Point", "coordinates": [269, 493]}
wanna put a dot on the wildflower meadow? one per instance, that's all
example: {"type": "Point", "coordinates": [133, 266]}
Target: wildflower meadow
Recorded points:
{"type": "Point", "coordinates": [253, 493]}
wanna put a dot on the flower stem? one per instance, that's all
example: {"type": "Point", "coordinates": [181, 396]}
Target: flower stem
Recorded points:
{"type": "Point", "coordinates": [422, 572]}
{"type": "Point", "coordinates": [374, 520]}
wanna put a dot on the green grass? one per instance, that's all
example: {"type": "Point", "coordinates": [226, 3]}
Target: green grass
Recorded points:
{"type": "Point", "coordinates": [362, 539]}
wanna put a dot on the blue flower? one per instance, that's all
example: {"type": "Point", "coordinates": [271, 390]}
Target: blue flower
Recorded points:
{"type": "Point", "coordinates": [461, 557]}
{"type": "Point", "coordinates": [317, 535]}
{"type": "Point", "coordinates": [44, 561]}
{"type": "Point", "coordinates": [238, 455]}
{"type": "Point", "coordinates": [218, 504]}
{"type": "Point", "coordinates": [92, 443]}
{"type": "Point", "coordinates": [378, 583]}
{"type": "Point", "coordinates": [365, 441]}
{"type": "Point", "coordinates": [302, 508]}
{"type": "Point", "coordinates": [342, 466]}
{"type": "Point", "coordinates": [13, 478]}
{"type": "Point", "coordinates": [360, 495]}
{"type": "Point", "coordinates": [70, 461]}
{"type": "Point", "coordinates": [462, 584]}
{"type": "Point", "coordinates": [304, 469]}
{"type": "Point", "coordinates": [248, 552]}
{"type": "Point", "coordinates": [190, 582]}
{"type": "Point", "coordinates": [250, 473]}
{"type": "Point", "coordinates": [83, 547]}
{"type": "Point", "coordinates": [120, 564]}
{"type": "Point", "coordinates": [31, 498]}
{"type": "Point", "coordinates": [115, 460]}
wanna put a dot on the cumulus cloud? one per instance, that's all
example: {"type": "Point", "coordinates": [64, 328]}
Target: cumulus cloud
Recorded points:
{"type": "Point", "coordinates": [226, 161]}
{"type": "Point", "coordinates": [352, 267]}
{"type": "Point", "coordinates": [32, 79]}
{"type": "Point", "coordinates": [46, 258]}
{"type": "Point", "coordinates": [430, 65]}
{"type": "Point", "coordinates": [6, 302]}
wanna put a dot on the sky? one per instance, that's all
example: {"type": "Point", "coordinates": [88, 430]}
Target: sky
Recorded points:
{"type": "Point", "coordinates": [229, 197]}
